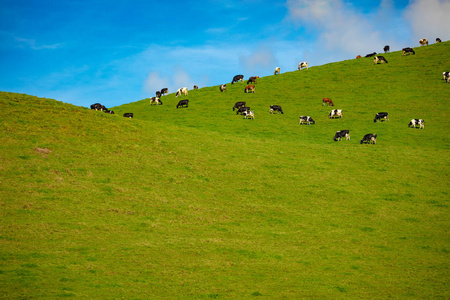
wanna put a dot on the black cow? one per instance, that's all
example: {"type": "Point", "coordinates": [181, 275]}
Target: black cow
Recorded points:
{"type": "Point", "coordinates": [238, 78]}
{"type": "Point", "coordinates": [438, 40]}
{"type": "Point", "coordinates": [381, 115]}
{"type": "Point", "coordinates": [386, 49]}
{"type": "Point", "coordinates": [158, 94]}
{"type": "Point", "coordinates": [369, 139]}
{"type": "Point", "coordinates": [109, 111]}
{"type": "Point", "coordinates": [242, 109]}
{"type": "Point", "coordinates": [408, 50]}
{"type": "Point", "coordinates": [371, 54]}
{"type": "Point", "coordinates": [446, 76]}
{"type": "Point", "coordinates": [183, 103]}
{"type": "Point", "coordinates": [238, 104]}
{"type": "Point", "coordinates": [128, 115]}
{"type": "Point", "coordinates": [307, 120]}
{"type": "Point", "coordinates": [164, 91]}
{"type": "Point", "coordinates": [98, 106]}
{"type": "Point", "coordinates": [276, 108]}
{"type": "Point", "coordinates": [341, 134]}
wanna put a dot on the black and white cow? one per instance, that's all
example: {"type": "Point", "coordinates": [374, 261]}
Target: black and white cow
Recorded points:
{"type": "Point", "coordinates": [183, 103]}
{"type": "Point", "coordinates": [446, 76]}
{"type": "Point", "coordinates": [128, 115]}
{"type": "Point", "coordinates": [386, 49]}
{"type": "Point", "coordinates": [242, 109]}
{"type": "Point", "coordinates": [371, 54]}
{"type": "Point", "coordinates": [369, 139]}
{"type": "Point", "coordinates": [303, 64]}
{"type": "Point", "coordinates": [276, 108]}
{"type": "Point", "coordinates": [238, 104]}
{"type": "Point", "coordinates": [408, 50]}
{"type": "Point", "coordinates": [307, 120]}
{"type": "Point", "coordinates": [98, 106]}
{"type": "Point", "coordinates": [109, 112]}
{"type": "Point", "coordinates": [335, 113]}
{"type": "Point", "coordinates": [237, 78]}
{"type": "Point", "coordinates": [183, 90]}
{"type": "Point", "coordinates": [164, 91]}
{"type": "Point", "coordinates": [423, 42]}
{"type": "Point", "coordinates": [438, 40]}
{"type": "Point", "coordinates": [250, 114]}
{"type": "Point", "coordinates": [341, 134]}
{"type": "Point", "coordinates": [158, 94]}
{"type": "Point", "coordinates": [155, 100]}
{"type": "Point", "coordinates": [419, 122]}
{"type": "Point", "coordinates": [379, 59]}
{"type": "Point", "coordinates": [223, 87]}
{"type": "Point", "coordinates": [277, 71]}
{"type": "Point", "coordinates": [380, 116]}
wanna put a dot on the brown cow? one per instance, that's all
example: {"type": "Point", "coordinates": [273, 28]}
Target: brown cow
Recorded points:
{"type": "Point", "coordinates": [250, 88]}
{"type": "Point", "coordinates": [327, 101]}
{"type": "Point", "coordinates": [359, 56]}
{"type": "Point", "coordinates": [252, 79]}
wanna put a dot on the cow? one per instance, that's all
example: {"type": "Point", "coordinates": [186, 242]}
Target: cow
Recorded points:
{"type": "Point", "coordinates": [98, 106]}
{"type": "Point", "coordinates": [341, 134]}
{"type": "Point", "coordinates": [415, 122]}
{"type": "Point", "coordinates": [276, 108]}
{"type": "Point", "coordinates": [359, 56]}
{"type": "Point", "coordinates": [371, 54]}
{"type": "Point", "coordinates": [109, 112]}
{"type": "Point", "coordinates": [302, 65]}
{"type": "Point", "coordinates": [128, 115]}
{"type": "Point", "coordinates": [446, 76]}
{"type": "Point", "coordinates": [158, 94]}
{"type": "Point", "coordinates": [164, 91]}
{"type": "Point", "coordinates": [249, 88]}
{"type": "Point", "coordinates": [183, 90]}
{"type": "Point", "coordinates": [242, 109]}
{"type": "Point", "coordinates": [327, 101]}
{"type": "Point", "coordinates": [379, 59]}
{"type": "Point", "coordinates": [252, 79]}
{"type": "Point", "coordinates": [155, 100]}
{"type": "Point", "coordinates": [438, 40]}
{"type": "Point", "coordinates": [423, 42]}
{"type": "Point", "coordinates": [238, 104]}
{"type": "Point", "coordinates": [237, 78]}
{"type": "Point", "coordinates": [369, 139]}
{"type": "Point", "coordinates": [195, 87]}
{"type": "Point", "coordinates": [277, 71]}
{"type": "Point", "coordinates": [386, 49]}
{"type": "Point", "coordinates": [380, 116]}
{"type": "Point", "coordinates": [307, 120]}
{"type": "Point", "coordinates": [335, 113]}
{"type": "Point", "coordinates": [223, 87]}
{"type": "Point", "coordinates": [249, 114]}
{"type": "Point", "coordinates": [183, 103]}
{"type": "Point", "coordinates": [408, 50]}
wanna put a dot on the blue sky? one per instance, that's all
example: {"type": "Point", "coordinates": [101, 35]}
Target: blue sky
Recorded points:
{"type": "Point", "coordinates": [116, 52]}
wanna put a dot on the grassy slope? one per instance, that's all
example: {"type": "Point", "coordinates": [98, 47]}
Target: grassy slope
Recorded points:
{"type": "Point", "coordinates": [200, 203]}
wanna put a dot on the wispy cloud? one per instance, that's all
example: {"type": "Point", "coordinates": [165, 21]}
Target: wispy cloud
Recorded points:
{"type": "Point", "coordinates": [33, 44]}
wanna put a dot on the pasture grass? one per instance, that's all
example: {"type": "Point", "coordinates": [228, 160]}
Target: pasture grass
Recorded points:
{"type": "Point", "coordinates": [200, 203]}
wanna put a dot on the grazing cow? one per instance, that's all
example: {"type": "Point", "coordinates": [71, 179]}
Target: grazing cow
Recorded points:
{"type": "Point", "coordinates": [379, 59]}
{"type": "Point", "coordinates": [446, 76]}
{"type": "Point", "coordinates": [182, 90]}
{"type": "Point", "coordinates": [128, 115]}
{"type": "Point", "coordinates": [164, 91]}
{"type": "Point", "coordinates": [277, 71]}
{"type": "Point", "coordinates": [438, 40]}
{"type": "Point", "coordinates": [158, 94]}
{"type": "Point", "coordinates": [109, 112]}
{"type": "Point", "coordinates": [371, 54]}
{"type": "Point", "coordinates": [386, 49]}
{"type": "Point", "coordinates": [302, 65]}
{"type": "Point", "coordinates": [408, 50]}
{"type": "Point", "coordinates": [223, 87]}
{"type": "Point", "coordinates": [369, 139]}
{"type": "Point", "coordinates": [327, 101]}
{"type": "Point", "coordinates": [335, 113]}
{"type": "Point", "coordinates": [242, 109]}
{"type": "Point", "coordinates": [237, 78]}
{"type": "Point", "coordinates": [249, 88]}
{"type": "Point", "coordinates": [249, 114]}
{"type": "Point", "coordinates": [98, 106]}
{"type": "Point", "coordinates": [252, 79]}
{"type": "Point", "coordinates": [155, 100]}
{"type": "Point", "coordinates": [415, 122]}
{"type": "Point", "coordinates": [341, 134]}
{"type": "Point", "coordinates": [276, 108]}
{"type": "Point", "coordinates": [423, 42]}
{"type": "Point", "coordinates": [380, 116]}
{"type": "Point", "coordinates": [195, 87]}
{"type": "Point", "coordinates": [359, 56]}
{"type": "Point", "coordinates": [238, 104]}
{"type": "Point", "coordinates": [307, 120]}
{"type": "Point", "coordinates": [183, 103]}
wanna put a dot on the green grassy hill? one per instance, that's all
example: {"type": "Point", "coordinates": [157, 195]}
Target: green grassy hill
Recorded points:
{"type": "Point", "coordinates": [200, 203]}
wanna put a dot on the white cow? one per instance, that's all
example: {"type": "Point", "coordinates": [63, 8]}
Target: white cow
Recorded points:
{"type": "Point", "coordinates": [415, 122]}
{"type": "Point", "coordinates": [183, 90]}
{"type": "Point", "coordinates": [249, 114]}
{"type": "Point", "coordinates": [335, 113]}
{"type": "Point", "coordinates": [277, 71]}
{"type": "Point", "coordinates": [302, 65]}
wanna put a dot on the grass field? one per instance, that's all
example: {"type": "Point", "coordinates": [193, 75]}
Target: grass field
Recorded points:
{"type": "Point", "coordinates": [199, 203]}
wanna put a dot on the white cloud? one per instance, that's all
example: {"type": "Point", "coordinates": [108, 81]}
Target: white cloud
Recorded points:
{"type": "Point", "coordinates": [259, 60]}
{"type": "Point", "coordinates": [429, 19]}
{"type": "Point", "coordinates": [155, 82]}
